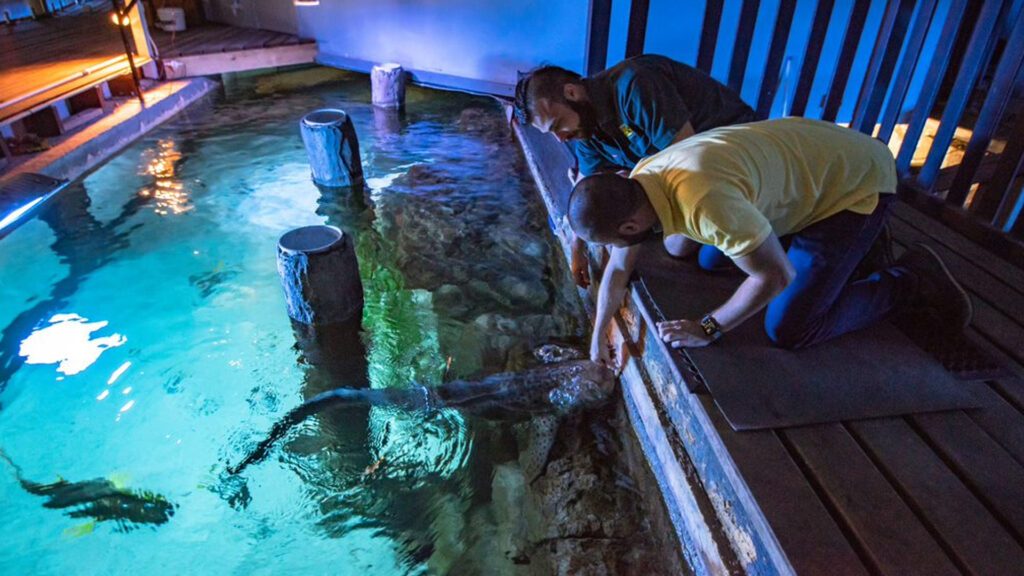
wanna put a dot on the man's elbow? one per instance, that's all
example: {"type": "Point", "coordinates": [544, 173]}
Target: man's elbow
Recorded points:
{"type": "Point", "coordinates": [779, 279]}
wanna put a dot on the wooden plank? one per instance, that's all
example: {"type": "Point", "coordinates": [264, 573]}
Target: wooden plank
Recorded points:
{"type": "Point", "coordinates": [996, 100]}
{"type": "Point", "coordinates": [599, 19]}
{"type": "Point", "coordinates": [751, 472]}
{"type": "Point", "coordinates": [741, 46]}
{"type": "Point", "coordinates": [967, 531]}
{"type": "Point", "coordinates": [981, 283]}
{"type": "Point", "coordinates": [203, 65]}
{"type": "Point", "coordinates": [970, 67]}
{"type": "Point", "coordinates": [1002, 421]}
{"type": "Point", "coordinates": [851, 40]}
{"type": "Point", "coordinates": [911, 53]}
{"type": "Point", "coordinates": [930, 87]}
{"type": "Point", "coordinates": [1009, 274]}
{"type": "Point", "coordinates": [770, 78]}
{"type": "Point", "coordinates": [638, 11]}
{"type": "Point", "coordinates": [709, 35]}
{"type": "Point", "coordinates": [990, 472]}
{"type": "Point", "coordinates": [888, 42]}
{"type": "Point", "coordinates": [891, 538]}
{"type": "Point", "coordinates": [812, 54]}
{"type": "Point", "coordinates": [808, 534]}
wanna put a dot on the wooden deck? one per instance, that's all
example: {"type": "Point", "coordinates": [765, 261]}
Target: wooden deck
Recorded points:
{"type": "Point", "coordinates": [217, 49]}
{"type": "Point", "coordinates": [213, 38]}
{"type": "Point", "coordinates": [35, 62]}
{"type": "Point", "coordinates": [939, 493]}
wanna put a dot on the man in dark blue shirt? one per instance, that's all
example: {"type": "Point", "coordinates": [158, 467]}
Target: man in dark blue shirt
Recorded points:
{"type": "Point", "coordinates": [630, 111]}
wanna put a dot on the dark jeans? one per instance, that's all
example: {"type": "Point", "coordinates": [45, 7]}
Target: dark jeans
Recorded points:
{"type": "Point", "coordinates": [822, 302]}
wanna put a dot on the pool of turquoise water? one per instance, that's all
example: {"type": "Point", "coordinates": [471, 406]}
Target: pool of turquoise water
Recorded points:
{"type": "Point", "coordinates": [144, 339]}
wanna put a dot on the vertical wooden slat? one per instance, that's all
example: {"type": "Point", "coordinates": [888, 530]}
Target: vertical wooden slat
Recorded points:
{"type": "Point", "coordinates": [971, 66]}
{"type": "Point", "coordinates": [770, 80]}
{"type": "Point", "coordinates": [851, 39]}
{"type": "Point", "coordinates": [741, 48]}
{"type": "Point", "coordinates": [709, 35]}
{"type": "Point", "coordinates": [888, 43]}
{"type": "Point", "coordinates": [906, 70]}
{"type": "Point", "coordinates": [638, 11]}
{"type": "Point", "coordinates": [599, 20]}
{"type": "Point", "coordinates": [812, 54]}
{"type": "Point", "coordinates": [992, 110]}
{"type": "Point", "coordinates": [1010, 166]}
{"type": "Point", "coordinates": [930, 88]}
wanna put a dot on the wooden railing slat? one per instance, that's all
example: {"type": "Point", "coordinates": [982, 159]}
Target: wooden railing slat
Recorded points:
{"type": "Point", "coordinates": [637, 34]}
{"type": "Point", "coordinates": [930, 88]}
{"type": "Point", "coordinates": [812, 54]}
{"type": "Point", "coordinates": [979, 49]}
{"type": "Point", "coordinates": [741, 48]}
{"type": "Point", "coordinates": [709, 35]}
{"type": "Point", "coordinates": [999, 94]}
{"type": "Point", "coordinates": [851, 40]}
{"type": "Point", "coordinates": [884, 55]}
{"type": "Point", "coordinates": [905, 74]}
{"type": "Point", "coordinates": [770, 79]}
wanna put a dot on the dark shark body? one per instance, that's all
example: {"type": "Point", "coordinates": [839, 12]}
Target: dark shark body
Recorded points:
{"type": "Point", "coordinates": [100, 499]}
{"type": "Point", "coordinates": [510, 396]}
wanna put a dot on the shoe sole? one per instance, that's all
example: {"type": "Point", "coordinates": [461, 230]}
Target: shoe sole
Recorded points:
{"type": "Point", "coordinates": [964, 296]}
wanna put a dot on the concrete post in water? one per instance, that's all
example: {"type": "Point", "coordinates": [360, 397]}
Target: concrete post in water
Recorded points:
{"type": "Point", "coordinates": [388, 85]}
{"type": "Point", "coordinates": [320, 275]}
{"type": "Point", "coordinates": [333, 148]}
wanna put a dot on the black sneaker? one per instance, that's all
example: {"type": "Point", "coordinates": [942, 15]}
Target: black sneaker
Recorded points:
{"type": "Point", "coordinates": [937, 289]}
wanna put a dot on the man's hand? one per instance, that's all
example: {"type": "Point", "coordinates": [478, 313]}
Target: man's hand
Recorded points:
{"type": "Point", "coordinates": [683, 334]}
{"type": "Point", "coordinates": [580, 263]}
{"type": "Point", "coordinates": [599, 349]}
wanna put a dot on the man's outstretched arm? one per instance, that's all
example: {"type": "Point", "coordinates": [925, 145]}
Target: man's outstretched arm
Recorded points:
{"type": "Point", "coordinates": [768, 270]}
{"type": "Point", "coordinates": [609, 297]}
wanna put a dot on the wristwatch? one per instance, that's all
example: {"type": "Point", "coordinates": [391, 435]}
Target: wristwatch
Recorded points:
{"type": "Point", "coordinates": [711, 327]}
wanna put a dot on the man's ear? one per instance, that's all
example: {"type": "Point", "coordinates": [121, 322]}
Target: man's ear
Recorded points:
{"type": "Point", "coordinates": [630, 227]}
{"type": "Point", "coordinates": [572, 92]}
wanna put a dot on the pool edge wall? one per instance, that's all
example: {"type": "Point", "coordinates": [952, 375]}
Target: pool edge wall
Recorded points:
{"type": "Point", "coordinates": [89, 148]}
{"type": "Point", "coordinates": [660, 462]}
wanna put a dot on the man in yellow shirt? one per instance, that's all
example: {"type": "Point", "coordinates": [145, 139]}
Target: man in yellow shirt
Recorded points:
{"type": "Point", "coordinates": [737, 190]}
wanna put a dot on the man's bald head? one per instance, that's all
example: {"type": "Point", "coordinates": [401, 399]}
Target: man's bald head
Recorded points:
{"type": "Point", "coordinates": [604, 208]}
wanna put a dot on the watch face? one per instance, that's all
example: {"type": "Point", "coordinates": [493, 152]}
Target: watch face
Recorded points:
{"type": "Point", "coordinates": [709, 325]}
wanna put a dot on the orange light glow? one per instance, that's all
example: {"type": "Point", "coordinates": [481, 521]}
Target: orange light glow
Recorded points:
{"type": "Point", "coordinates": [124, 20]}
{"type": "Point", "coordinates": [170, 193]}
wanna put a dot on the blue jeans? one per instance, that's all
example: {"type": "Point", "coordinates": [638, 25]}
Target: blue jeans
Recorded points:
{"type": "Point", "coordinates": [821, 302]}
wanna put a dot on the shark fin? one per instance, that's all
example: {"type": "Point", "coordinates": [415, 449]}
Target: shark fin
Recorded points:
{"type": "Point", "coordinates": [80, 530]}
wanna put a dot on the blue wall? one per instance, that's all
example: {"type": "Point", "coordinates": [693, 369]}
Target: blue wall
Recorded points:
{"type": "Point", "coordinates": [480, 44]}
{"type": "Point", "coordinates": [469, 44]}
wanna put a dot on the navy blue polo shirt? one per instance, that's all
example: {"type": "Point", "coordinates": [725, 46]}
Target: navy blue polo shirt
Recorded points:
{"type": "Point", "coordinates": [642, 102]}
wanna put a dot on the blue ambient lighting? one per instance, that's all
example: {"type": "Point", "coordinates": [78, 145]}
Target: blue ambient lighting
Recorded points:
{"type": "Point", "coordinates": [18, 213]}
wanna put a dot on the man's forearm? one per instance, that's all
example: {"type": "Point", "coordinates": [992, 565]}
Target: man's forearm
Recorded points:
{"type": "Point", "coordinates": [752, 295]}
{"type": "Point", "coordinates": [609, 297]}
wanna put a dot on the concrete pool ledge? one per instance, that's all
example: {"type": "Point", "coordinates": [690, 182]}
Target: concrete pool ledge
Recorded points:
{"type": "Point", "coordinates": [707, 531]}
{"type": "Point", "coordinates": [94, 144]}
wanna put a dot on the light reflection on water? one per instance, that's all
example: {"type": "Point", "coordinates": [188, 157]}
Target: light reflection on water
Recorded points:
{"type": "Point", "coordinates": [68, 343]}
{"type": "Point", "coordinates": [172, 245]}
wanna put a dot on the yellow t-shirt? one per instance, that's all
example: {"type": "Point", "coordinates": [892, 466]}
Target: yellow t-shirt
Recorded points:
{"type": "Point", "coordinates": [731, 187]}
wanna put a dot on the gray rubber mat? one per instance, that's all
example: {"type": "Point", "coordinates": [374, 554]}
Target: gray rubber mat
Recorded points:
{"type": "Point", "coordinates": [868, 374]}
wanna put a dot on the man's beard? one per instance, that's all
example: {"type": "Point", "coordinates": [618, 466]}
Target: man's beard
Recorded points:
{"type": "Point", "coordinates": [587, 116]}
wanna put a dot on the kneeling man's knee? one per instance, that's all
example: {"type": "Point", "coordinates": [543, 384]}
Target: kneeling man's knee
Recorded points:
{"type": "Point", "coordinates": [786, 334]}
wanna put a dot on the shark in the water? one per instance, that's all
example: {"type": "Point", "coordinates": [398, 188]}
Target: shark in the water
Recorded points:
{"type": "Point", "coordinates": [543, 392]}
{"type": "Point", "coordinates": [99, 499]}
